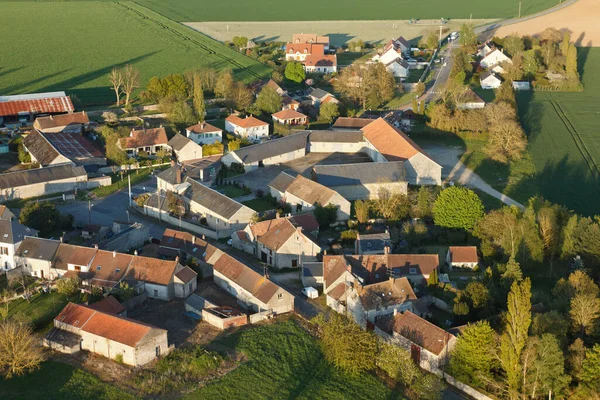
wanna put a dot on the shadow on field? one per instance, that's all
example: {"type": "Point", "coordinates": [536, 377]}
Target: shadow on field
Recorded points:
{"type": "Point", "coordinates": [21, 86]}
{"type": "Point", "coordinates": [338, 39]}
{"type": "Point", "coordinates": [4, 71]}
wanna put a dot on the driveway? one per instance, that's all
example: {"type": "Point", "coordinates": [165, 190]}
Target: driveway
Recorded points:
{"type": "Point", "coordinates": [454, 170]}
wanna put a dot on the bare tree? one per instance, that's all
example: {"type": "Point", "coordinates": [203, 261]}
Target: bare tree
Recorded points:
{"type": "Point", "coordinates": [20, 349]}
{"type": "Point", "coordinates": [5, 296]}
{"type": "Point", "coordinates": [131, 81]}
{"type": "Point", "coordinates": [20, 281]}
{"type": "Point", "coordinates": [116, 80]}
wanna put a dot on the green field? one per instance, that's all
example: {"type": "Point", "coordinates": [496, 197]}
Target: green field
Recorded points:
{"type": "Point", "coordinates": [72, 46]}
{"type": "Point", "coordinates": [59, 381]}
{"type": "Point", "coordinates": [318, 10]}
{"type": "Point", "coordinates": [564, 140]}
{"type": "Point", "coordinates": [285, 362]}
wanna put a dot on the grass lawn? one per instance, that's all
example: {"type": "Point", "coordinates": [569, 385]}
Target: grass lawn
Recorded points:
{"type": "Point", "coordinates": [348, 58]}
{"type": "Point", "coordinates": [400, 100]}
{"type": "Point", "coordinates": [58, 381]}
{"type": "Point", "coordinates": [414, 75]}
{"type": "Point", "coordinates": [564, 139]}
{"type": "Point", "coordinates": [258, 205]}
{"type": "Point", "coordinates": [85, 50]}
{"type": "Point", "coordinates": [285, 362]}
{"type": "Point", "coordinates": [231, 191]}
{"type": "Point", "coordinates": [41, 310]}
{"type": "Point", "coordinates": [137, 176]}
{"type": "Point", "coordinates": [271, 10]}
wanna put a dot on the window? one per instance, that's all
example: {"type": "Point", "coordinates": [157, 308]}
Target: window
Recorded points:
{"type": "Point", "coordinates": [280, 295]}
{"type": "Point", "coordinates": [77, 268]}
{"type": "Point", "coordinates": [155, 292]}
{"type": "Point", "coordinates": [294, 263]}
{"type": "Point", "coordinates": [157, 351]}
{"type": "Point", "coordinates": [412, 271]}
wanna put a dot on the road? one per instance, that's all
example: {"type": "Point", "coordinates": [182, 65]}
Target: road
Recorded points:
{"type": "Point", "coordinates": [441, 74]}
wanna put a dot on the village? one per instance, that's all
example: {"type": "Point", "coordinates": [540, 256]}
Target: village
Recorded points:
{"type": "Point", "coordinates": [165, 234]}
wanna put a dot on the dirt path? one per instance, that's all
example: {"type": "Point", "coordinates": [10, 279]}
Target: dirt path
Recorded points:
{"type": "Point", "coordinates": [580, 18]}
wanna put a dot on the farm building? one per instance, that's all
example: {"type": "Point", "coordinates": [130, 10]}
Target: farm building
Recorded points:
{"type": "Point", "coordinates": [290, 117]}
{"type": "Point", "coordinates": [386, 143]}
{"type": "Point", "coordinates": [78, 327]}
{"type": "Point", "coordinates": [26, 107]}
{"type": "Point", "coordinates": [204, 133]}
{"type": "Point", "coordinates": [312, 274]}
{"type": "Point", "coordinates": [69, 123]}
{"type": "Point", "coordinates": [469, 100]}
{"type": "Point", "coordinates": [250, 128]}
{"type": "Point", "coordinates": [58, 148]}
{"type": "Point", "coordinates": [64, 178]}
{"type": "Point", "coordinates": [347, 123]}
{"type": "Point", "coordinates": [336, 142]}
{"type": "Point", "coordinates": [362, 180]}
{"type": "Point", "coordinates": [521, 85]}
{"type": "Point", "coordinates": [489, 80]}
{"type": "Point", "coordinates": [462, 256]}
{"type": "Point", "coordinates": [268, 153]}
{"type": "Point", "coordinates": [147, 140]}
{"type": "Point", "coordinates": [302, 194]}
{"type": "Point", "coordinates": [184, 148]}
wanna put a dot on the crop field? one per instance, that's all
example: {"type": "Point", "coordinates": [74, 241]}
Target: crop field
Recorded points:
{"type": "Point", "coordinates": [319, 10]}
{"type": "Point", "coordinates": [564, 139]}
{"type": "Point", "coordinates": [285, 362]}
{"type": "Point", "coordinates": [72, 46]}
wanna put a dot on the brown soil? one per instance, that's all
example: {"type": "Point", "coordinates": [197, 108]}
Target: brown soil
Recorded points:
{"type": "Point", "coordinates": [580, 18]}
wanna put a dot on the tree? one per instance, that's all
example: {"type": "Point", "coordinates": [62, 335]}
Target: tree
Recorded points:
{"type": "Point", "coordinates": [467, 37]}
{"type": "Point", "coordinates": [20, 350]}
{"type": "Point", "coordinates": [110, 117]}
{"type": "Point", "coordinates": [361, 209]}
{"type": "Point", "coordinates": [268, 100]}
{"type": "Point", "coordinates": [355, 82]}
{"type": "Point", "coordinates": [584, 311]}
{"type": "Point", "coordinates": [241, 96]}
{"type": "Point", "coordinates": [294, 71]}
{"type": "Point", "coordinates": [175, 204]}
{"type": "Point", "coordinates": [432, 40]}
{"type": "Point", "coordinates": [513, 45]}
{"type": "Point", "coordinates": [391, 205]}
{"type": "Point", "coordinates": [117, 81]}
{"type": "Point", "coordinates": [419, 89]}
{"type": "Point", "coordinates": [472, 359]}
{"type": "Point", "coordinates": [67, 286]}
{"type": "Point", "coordinates": [423, 202]}
{"type": "Point", "coordinates": [6, 296]}
{"type": "Point", "coordinates": [513, 271]}
{"type": "Point", "coordinates": [224, 85]}
{"type": "Point", "coordinates": [240, 41]}
{"type": "Point", "coordinates": [512, 341]}
{"type": "Point", "coordinates": [178, 112]}
{"type": "Point", "coordinates": [347, 346]}
{"type": "Point", "coordinates": [590, 368]}
{"type": "Point", "coordinates": [552, 322]}
{"type": "Point", "coordinates": [125, 291]}
{"type": "Point", "coordinates": [544, 369]}
{"type": "Point", "coordinates": [571, 63]}
{"type": "Point", "coordinates": [325, 215]}
{"type": "Point", "coordinates": [40, 215]}
{"type": "Point", "coordinates": [131, 81]}
{"type": "Point", "coordinates": [328, 112]}
{"type": "Point", "coordinates": [531, 64]}
{"type": "Point", "coordinates": [499, 232]}
{"type": "Point", "coordinates": [576, 355]}
{"type": "Point", "coordinates": [199, 105]}
{"type": "Point", "coordinates": [506, 140]}
{"type": "Point", "coordinates": [506, 93]}
{"type": "Point", "coordinates": [383, 85]}
{"type": "Point", "coordinates": [457, 207]}
{"type": "Point", "coordinates": [478, 294]}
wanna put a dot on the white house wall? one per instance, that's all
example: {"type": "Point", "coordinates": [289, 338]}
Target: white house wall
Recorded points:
{"type": "Point", "coordinates": [421, 170]}
{"type": "Point", "coordinates": [43, 188]}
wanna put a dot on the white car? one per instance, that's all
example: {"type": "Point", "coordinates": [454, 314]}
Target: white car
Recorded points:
{"type": "Point", "coordinates": [310, 292]}
{"type": "Point", "coordinates": [230, 242]}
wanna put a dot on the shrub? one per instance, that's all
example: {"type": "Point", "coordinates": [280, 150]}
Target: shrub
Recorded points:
{"type": "Point", "coordinates": [119, 358]}
{"type": "Point", "coordinates": [349, 235]}
{"type": "Point", "coordinates": [260, 193]}
{"type": "Point", "coordinates": [67, 286]}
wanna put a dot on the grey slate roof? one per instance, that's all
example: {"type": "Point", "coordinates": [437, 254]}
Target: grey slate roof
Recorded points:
{"type": "Point", "coordinates": [179, 141]}
{"type": "Point", "coordinates": [351, 123]}
{"type": "Point", "coordinates": [38, 175]}
{"type": "Point", "coordinates": [170, 174]}
{"type": "Point", "coordinates": [318, 93]}
{"type": "Point", "coordinates": [40, 148]}
{"type": "Point", "coordinates": [281, 182]}
{"type": "Point", "coordinates": [13, 232]}
{"type": "Point", "coordinates": [361, 173]}
{"type": "Point", "coordinates": [38, 248]}
{"type": "Point", "coordinates": [336, 136]}
{"type": "Point", "coordinates": [314, 269]}
{"type": "Point", "coordinates": [272, 148]}
{"type": "Point", "coordinates": [211, 199]}
{"type": "Point", "coordinates": [374, 241]}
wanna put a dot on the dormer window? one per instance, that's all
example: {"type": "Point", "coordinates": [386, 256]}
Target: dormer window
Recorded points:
{"type": "Point", "coordinates": [98, 267]}
{"type": "Point", "coordinates": [305, 51]}
{"type": "Point", "coordinates": [412, 271]}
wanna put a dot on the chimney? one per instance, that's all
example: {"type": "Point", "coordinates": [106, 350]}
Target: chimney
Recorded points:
{"type": "Point", "coordinates": [135, 253]}
{"type": "Point", "coordinates": [193, 239]}
{"type": "Point", "coordinates": [324, 252]}
{"type": "Point", "coordinates": [386, 250]}
{"type": "Point", "coordinates": [277, 215]}
{"type": "Point", "coordinates": [114, 253]}
{"type": "Point", "coordinates": [299, 229]}
{"type": "Point", "coordinates": [176, 259]}
{"type": "Point", "coordinates": [203, 237]}
{"type": "Point", "coordinates": [178, 176]}
{"type": "Point", "coordinates": [96, 246]}
{"type": "Point", "coordinates": [395, 312]}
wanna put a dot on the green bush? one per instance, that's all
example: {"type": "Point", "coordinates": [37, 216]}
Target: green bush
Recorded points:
{"type": "Point", "coordinates": [349, 235]}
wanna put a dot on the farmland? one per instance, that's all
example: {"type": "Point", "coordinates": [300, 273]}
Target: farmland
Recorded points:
{"type": "Point", "coordinates": [61, 47]}
{"type": "Point", "coordinates": [564, 137]}
{"type": "Point", "coordinates": [318, 10]}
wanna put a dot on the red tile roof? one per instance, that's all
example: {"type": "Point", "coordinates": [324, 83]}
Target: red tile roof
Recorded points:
{"type": "Point", "coordinates": [108, 305]}
{"type": "Point", "coordinates": [74, 315]}
{"type": "Point", "coordinates": [421, 332]}
{"type": "Point", "coordinates": [308, 222]}
{"type": "Point", "coordinates": [466, 254]}
{"type": "Point", "coordinates": [288, 113]}
{"type": "Point", "coordinates": [305, 48]}
{"type": "Point", "coordinates": [141, 138]}
{"type": "Point", "coordinates": [321, 60]}
{"type": "Point", "coordinates": [186, 274]}
{"type": "Point", "coordinates": [392, 143]}
{"type": "Point", "coordinates": [203, 127]}
{"type": "Point", "coordinates": [247, 122]}
{"type": "Point", "coordinates": [152, 270]}
{"type": "Point", "coordinates": [54, 121]}
{"type": "Point", "coordinates": [61, 104]}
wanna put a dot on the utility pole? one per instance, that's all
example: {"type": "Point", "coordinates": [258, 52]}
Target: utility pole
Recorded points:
{"type": "Point", "coordinates": [129, 182]}
{"type": "Point", "coordinates": [519, 9]}
{"type": "Point", "coordinates": [440, 39]}
{"type": "Point", "coordinates": [470, 18]}
{"type": "Point", "coordinates": [90, 212]}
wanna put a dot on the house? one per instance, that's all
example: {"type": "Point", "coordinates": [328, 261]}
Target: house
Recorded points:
{"type": "Point", "coordinates": [347, 123]}
{"type": "Point", "coordinates": [319, 96]}
{"type": "Point", "coordinates": [485, 49]}
{"type": "Point", "coordinates": [12, 234]}
{"type": "Point", "coordinates": [391, 57]}
{"type": "Point", "coordinates": [290, 117]}
{"type": "Point", "coordinates": [469, 100]}
{"type": "Point", "coordinates": [429, 345]}
{"type": "Point", "coordinates": [369, 269]}
{"type": "Point", "coordinates": [493, 58]}
{"type": "Point", "coordinates": [303, 194]}
{"type": "Point", "coordinates": [277, 242]}
{"type": "Point", "coordinates": [75, 122]}
{"type": "Point", "coordinates": [270, 152]}
{"type": "Point", "coordinates": [159, 278]}
{"type": "Point", "coordinates": [489, 80]}
{"type": "Point", "coordinates": [462, 257]}
{"type": "Point", "coordinates": [252, 290]}
{"type": "Point", "coordinates": [146, 140]}
{"type": "Point", "coordinates": [275, 86]}
{"type": "Point", "coordinates": [312, 274]}
{"type": "Point", "coordinates": [216, 210]}
{"type": "Point", "coordinates": [362, 180]}
{"type": "Point", "coordinates": [372, 243]}
{"type": "Point", "coordinates": [187, 247]}
{"type": "Point", "coordinates": [78, 327]}
{"type": "Point", "coordinates": [301, 51]}
{"type": "Point", "coordinates": [311, 38]}
{"type": "Point", "coordinates": [5, 213]}
{"type": "Point", "coordinates": [368, 303]}
{"type": "Point", "coordinates": [109, 305]}
{"type": "Point", "coordinates": [59, 148]}
{"type": "Point", "coordinates": [185, 149]}
{"type": "Point", "coordinates": [172, 179]}
{"type": "Point", "coordinates": [22, 108]}
{"type": "Point", "coordinates": [287, 103]}
{"type": "Point", "coordinates": [249, 127]}
{"type": "Point", "coordinates": [321, 63]}
{"type": "Point", "coordinates": [63, 178]}
{"type": "Point", "coordinates": [204, 170]}
{"type": "Point", "coordinates": [398, 67]}
{"type": "Point", "coordinates": [335, 141]}
{"type": "Point", "coordinates": [204, 133]}
{"type": "Point", "coordinates": [521, 85]}
{"type": "Point", "coordinates": [387, 143]}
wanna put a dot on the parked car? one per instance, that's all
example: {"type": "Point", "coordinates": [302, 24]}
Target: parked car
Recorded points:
{"type": "Point", "coordinates": [229, 242]}
{"type": "Point", "coordinates": [310, 292]}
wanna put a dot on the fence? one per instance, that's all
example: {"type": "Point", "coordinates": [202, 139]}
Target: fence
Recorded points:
{"type": "Point", "coordinates": [135, 301]}
{"type": "Point", "coordinates": [439, 303]}
{"type": "Point", "coordinates": [260, 316]}
{"type": "Point", "coordinates": [117, 168]}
